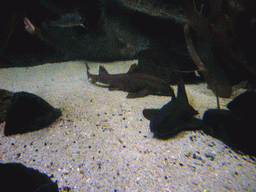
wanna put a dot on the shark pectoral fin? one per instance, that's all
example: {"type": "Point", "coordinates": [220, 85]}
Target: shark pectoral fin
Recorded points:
{"type": "Point", "coordinates": [103, 71]}
{"type": "Point", "coordinates": [142, 93]}
{"type": "Point", "coordinates": [150, 113]}
{"type": "Point", "coordinates": [191, 110]}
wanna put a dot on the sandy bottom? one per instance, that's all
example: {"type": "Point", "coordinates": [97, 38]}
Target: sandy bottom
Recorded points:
{"type": "Point", "coordinates": [103, 143]}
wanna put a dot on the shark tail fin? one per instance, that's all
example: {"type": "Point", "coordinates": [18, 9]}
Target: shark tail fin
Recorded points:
{"type": "Point", "coordinates": [103, 71]}
{"type": "Point", "coordinates": [182, 90]}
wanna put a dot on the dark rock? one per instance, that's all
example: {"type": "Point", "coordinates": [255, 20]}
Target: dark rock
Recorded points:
{"type": "Point", "coordinates": [245, 102]}
{"type": "Point", "coordinates": [113, 32]}
{"type": "Point", "coordinates": [29, 112]}
{"type": "Point", "coordinates": [17, 177]}
{"type": "Point", "coordinates": [231, 128]}
{"type": "Point", "coordinates": [168, 64]}
{"type": "Point", "coordinates": [5, 102]}
{"type": "Point", "coordinates": [234, 126]}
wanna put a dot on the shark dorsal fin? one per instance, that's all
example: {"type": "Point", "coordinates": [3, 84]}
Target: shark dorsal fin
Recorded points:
{"type": "Point", "coordinates": [182, 91]}
{"type": "Point", "coordinates": [103, 71]}
{"type": "Point", "coordinates": [133, 68]}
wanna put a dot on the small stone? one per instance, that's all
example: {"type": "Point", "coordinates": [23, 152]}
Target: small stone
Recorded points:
{"type": "Point", "coordinates": [187, 154]}
{"type": "Point", "coordinates": [209, 156]}
{"type": "Point", "coordinates": [212, 144]}
{"type": "Point", "coordinates": [66, 189]}
{"type": "Point", "coordinates": [196, 156]}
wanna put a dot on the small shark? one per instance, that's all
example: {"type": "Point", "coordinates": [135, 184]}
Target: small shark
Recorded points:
{"type": "Point", "coordinates": [68, 20]}
{"type": "Point", "coordinates": [173, 117]}
{"type": "Point", "coordinates": [137, 84]}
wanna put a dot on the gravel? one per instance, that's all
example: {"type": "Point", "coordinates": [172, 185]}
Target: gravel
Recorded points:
{"type": "Point", "coordinates": [103, 143]}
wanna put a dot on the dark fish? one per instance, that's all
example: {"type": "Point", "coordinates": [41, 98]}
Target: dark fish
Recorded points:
{"type": "Point", "coordinates": [68, 20]}
{"type": "Point", "coordinates": [174, 117]}
{"type": "Point", "coordinates": [28, 112]}
{"type": "Point", "coordinates": [137, 84]}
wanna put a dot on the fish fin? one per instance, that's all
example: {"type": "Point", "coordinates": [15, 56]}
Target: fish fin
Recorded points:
{"type": "Point", "coordinates": [182, 91]}
{"type": "Point", "coordinates": [150, 113]}
{"type": "Point", "coordinates": [133, 68]}
{"type": "Point", "coordinates": [103, 71]}
{"type": "Point", "coordinates": [142, 93]}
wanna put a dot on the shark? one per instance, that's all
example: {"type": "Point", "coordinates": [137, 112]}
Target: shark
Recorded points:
{"type": "Point", "coordinates": [174, 117]}
{"type": "Point", "coordinates": [136, 83]}
{"type": "Point", "coordinates": [67, 20]}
